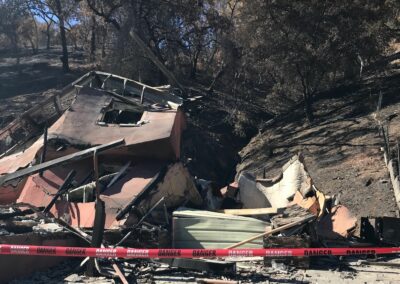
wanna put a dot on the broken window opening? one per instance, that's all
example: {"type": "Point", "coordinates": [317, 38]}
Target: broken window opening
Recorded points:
{"type": "Point", "coordinates": [122, 114]}
{"type": "Point", "coordinates": [122, 117]}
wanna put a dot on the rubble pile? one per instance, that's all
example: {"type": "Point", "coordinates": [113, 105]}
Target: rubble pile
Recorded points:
{"type": "Point", "coordinates": [107, 173]}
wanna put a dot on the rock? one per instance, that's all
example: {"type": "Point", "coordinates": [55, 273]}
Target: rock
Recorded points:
{"type": "Point", "coordinates": [73, 278]}
{"type": "Point", "coordinates": [49, 227]}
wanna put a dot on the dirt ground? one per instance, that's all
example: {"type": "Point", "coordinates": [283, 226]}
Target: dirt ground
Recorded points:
{"type": "Point", "coordinates": [21, 86]}
{"type": "Point", "coordinates": [325, 270]}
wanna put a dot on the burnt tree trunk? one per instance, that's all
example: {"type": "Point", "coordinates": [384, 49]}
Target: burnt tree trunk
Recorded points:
{"type": "Point", "coordinates": [103, 45]}
{"type": "Point", "coordinates": [14, 44]}
{"type": "Point", "coordinates": [308, 109]}
{"type": "Point", "coordinates": [193, 71]}
{"type": "Point", "coordinates": [48, 36]}
{"type": "Point", "coordinates": [93, 40]}
{"type": "Point", "coordinates": [33, 47]}
{"type": "Point", "coordinates": [64, 57]}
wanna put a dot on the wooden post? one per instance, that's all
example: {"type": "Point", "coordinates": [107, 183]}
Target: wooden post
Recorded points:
{"type": "Point", "coordinates": [44, 150]}
{"type": "Point", "coordinates": [57, 104]}
{"type": "Point", "coordinates": [142, 95]}
{"type": "Point", "coordinates": [398, 158]}
{"type": "Point", "coordinates": [105, 80]}
{"type": "Point", "coordinates": [96, 173]}
{"type": "Point", "coordinates": [99, 219]}
{"type": "Point", "coordinates": [124, 90]}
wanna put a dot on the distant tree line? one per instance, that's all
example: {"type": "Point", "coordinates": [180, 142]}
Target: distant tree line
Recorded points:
{"type": "Point", "coordinates": [285, 52]}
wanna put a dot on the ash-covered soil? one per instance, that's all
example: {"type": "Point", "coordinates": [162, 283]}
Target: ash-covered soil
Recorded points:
{"type": "Point", "coordinates": [22, 86]}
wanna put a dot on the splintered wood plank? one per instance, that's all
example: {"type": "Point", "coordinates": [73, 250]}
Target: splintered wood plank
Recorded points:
{"type": "Point", "coordinates": [276, 230]}
{"type": "Point", "coordinates": [291, 214]}
{"type": "Point", "coordinates": [252, 211]}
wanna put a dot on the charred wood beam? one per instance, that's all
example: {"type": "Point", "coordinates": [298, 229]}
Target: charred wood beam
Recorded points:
{"type": "Point", "coordinates": [142, 95]}
{"type": "Point", "coordinates": [98, 232]}
{"type": "Point", "coordinates": [60, 161]}
{"type": "Point", "coordinates": [105, 80]}
{"type": "Point", "coordinates": [96, 174]}
{"type": "Point", "coordinates": [398, 158]}
{"type": "Point", "coordinates": [63, 189]}
{"type": "Point", "coordinates": [171, 77]}
{"type": "Point", "coordinates": [133, 83]}
{"type": "Point", "coordinates": [141, 221]}
{"type": "Point", "coordinates": [209, 265]}
{"type": "Point", "coordinates": [57, 104]}
{"type": "Point", "coordinates": [109, 19]}
{"type": "Point", "coordinates": [59, 221]}
{"type": "Point", "coordinates": [124, 89]}
{"type": "Point", "coordinates": [122, 98]}
{"type": "Point", "coordinates": [150, 186]}
{"type": "Point", "coordinates": [119, 174]}
{"type": "Point", "coordinates": [4, 216]}
{"type": "Point", "coordinates": [44, 150]}
{"type": "Point", "coordinates": [276, 230]}
{"type": "Point", "coordinates": [99, 218]}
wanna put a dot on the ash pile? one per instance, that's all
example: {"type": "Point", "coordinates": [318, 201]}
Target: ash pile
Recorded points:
{"type": "Point", "coordinates": [98, 164]}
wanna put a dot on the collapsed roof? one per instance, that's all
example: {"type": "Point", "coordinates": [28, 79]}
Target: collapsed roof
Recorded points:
{"type": "Point", "coordinates": [104, 108]}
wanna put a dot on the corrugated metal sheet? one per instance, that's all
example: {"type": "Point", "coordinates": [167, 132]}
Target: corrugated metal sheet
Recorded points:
{"type": "Point", "coordinates": [205, 229]}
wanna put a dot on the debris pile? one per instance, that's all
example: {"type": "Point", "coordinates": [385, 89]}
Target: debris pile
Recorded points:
{"type": "Point", "coordinates": [106, 173]}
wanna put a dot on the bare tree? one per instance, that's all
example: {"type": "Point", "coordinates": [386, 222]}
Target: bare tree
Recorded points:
{"type": "Point", "coordinates": [57, 12]}
{"type": "Point", "coordinates": [48, 19]}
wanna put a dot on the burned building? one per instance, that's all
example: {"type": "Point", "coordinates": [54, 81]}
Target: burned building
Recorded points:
{"type": "Point", "coordinates": [109, 138]}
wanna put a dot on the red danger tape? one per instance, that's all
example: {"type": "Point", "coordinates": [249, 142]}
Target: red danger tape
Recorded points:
{"type": "Point", "coordinates": [6, 249]}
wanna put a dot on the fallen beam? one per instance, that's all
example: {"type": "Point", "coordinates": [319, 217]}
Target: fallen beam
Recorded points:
{"type": "Point", "coordinates": [209, 265]}
{"type": "Point", "coordinates": [59, 161]}
{"type": "Point", "coordinates": [171, 77]}
{"type": "Point", "coordinates": [140, 221]}
{"type": "Point", "coordinates": [119, 174]}
{"type": "Point", "coordinates": [63, 188]}
{"type": "Point", "coordinates": [150, 186]}
{"type": "Point", "coordinates": [249, 212]}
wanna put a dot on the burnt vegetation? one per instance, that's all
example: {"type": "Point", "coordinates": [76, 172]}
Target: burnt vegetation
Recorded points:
{"type": "Point", "coordinates": [280, 54]}
{"type": "Point", "coordinates": [243, 68]}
